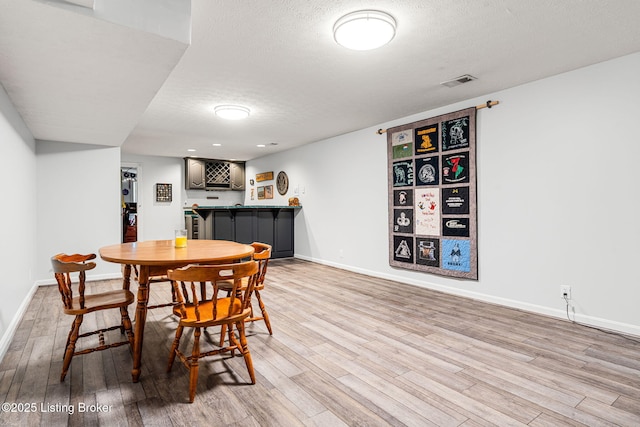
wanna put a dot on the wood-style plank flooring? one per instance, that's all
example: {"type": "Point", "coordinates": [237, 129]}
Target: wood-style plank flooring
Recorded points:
{"type": "Point", "coordinates": [347, 350]}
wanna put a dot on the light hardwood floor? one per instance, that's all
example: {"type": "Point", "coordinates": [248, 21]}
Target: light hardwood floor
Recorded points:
{"type": "Point", "coordinates": [347, 350]}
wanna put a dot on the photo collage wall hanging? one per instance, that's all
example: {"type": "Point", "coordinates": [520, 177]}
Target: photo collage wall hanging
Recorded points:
{"type": "Point", "coordinates": [432, 195]}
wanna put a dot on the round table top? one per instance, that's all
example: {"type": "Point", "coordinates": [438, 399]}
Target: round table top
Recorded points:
{"type": "Point", "coordinates": [164, 252]}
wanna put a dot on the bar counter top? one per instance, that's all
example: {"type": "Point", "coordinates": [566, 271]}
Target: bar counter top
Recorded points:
{"type": "Point", "coordinates": [189, 208]}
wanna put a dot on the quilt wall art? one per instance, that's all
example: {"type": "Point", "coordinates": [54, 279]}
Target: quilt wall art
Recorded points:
{"type": "Point", "coordinates": [432, 195]}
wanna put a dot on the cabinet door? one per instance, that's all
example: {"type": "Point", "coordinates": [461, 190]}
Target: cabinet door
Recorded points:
{"type": "Point", "coordinates": [195, 174]}
{"type": "Point", "coordinates": [223, 225]}
{"type": "Point", "coordinates": [245, 226]}
{"type": "Point", "coordinates": [265, 227]}
{"type": "Point", "coordinates": [283, 227]}
{"type": "Point", "coordinates": [237, 176]}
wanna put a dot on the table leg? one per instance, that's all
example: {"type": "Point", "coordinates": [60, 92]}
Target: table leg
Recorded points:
{"type": "Point", "coordinates": [141, 317]}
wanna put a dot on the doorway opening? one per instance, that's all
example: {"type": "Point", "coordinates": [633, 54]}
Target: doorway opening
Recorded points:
{"type": "Point", "coordinates": [129, 202]}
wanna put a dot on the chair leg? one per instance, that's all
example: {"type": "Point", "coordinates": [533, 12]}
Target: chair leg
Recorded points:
{"type": "Point", "coordinates": [193, 365]}
{"type": "Point", "coordinates": [126, 324]}
{"type": "Point", "coordinates": [174, 347]}
{"type": "Point", "coordinates": [265, 315]}
{"type": "Point", "coordinates": [68, 339]}
{"type": "Point", "coordinates": [245, 351]}
{"type": "Point", "coordinates": [232, 339]}
{"type": "Point", "coordinates": [71, 346]}
{"type": "Point", "coordinates": [223, 331]}
{"type": "Point", "coordinates": [251, 315]}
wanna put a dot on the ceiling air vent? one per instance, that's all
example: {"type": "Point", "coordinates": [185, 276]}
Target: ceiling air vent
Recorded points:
{"type": "Point", "coordinates": [458, 80]}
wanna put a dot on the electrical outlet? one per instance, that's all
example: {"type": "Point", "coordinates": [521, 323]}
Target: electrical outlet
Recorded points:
{"type": "Point", "coordinates": [565, 291]}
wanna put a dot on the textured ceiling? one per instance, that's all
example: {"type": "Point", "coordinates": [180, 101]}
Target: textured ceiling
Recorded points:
{"type": "Point", "coordinates": [76, 78]}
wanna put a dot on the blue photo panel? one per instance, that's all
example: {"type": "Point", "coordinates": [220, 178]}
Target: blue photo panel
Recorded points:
{"type": "Point", "coordinates": [456, 255]}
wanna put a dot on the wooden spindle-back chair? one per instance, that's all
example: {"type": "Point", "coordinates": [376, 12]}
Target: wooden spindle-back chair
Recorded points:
{"type": "Point", "coordinates": [194, 311]}
{"type": "Point", "coordinates": [262, 255]}
{"type": "Point", "coordinates": [78, 303]}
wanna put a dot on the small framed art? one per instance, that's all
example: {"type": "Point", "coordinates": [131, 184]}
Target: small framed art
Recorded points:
{"type": "Point", "coordinates": [164, 192]}
{"type": "Point", "coordinates": [268, 192]}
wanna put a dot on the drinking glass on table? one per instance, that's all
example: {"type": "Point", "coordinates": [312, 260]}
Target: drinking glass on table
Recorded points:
{"type": "Point", "coordinates": [181, 238]}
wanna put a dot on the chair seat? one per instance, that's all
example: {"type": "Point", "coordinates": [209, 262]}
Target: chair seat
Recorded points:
{"type": "Point", "coordinates": [227, 285]}
{"type": "Point", "coordinates": [106, 300]}
{"type": "Point", "coordinates": [206, 313]}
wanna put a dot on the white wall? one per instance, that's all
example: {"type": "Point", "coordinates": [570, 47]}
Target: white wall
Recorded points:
{"type": "Point", "coordinates": [212, 198]}
{"type": "Point", "coordinates": [78, 203]}
{"type": "Point", "coordinates": [57, 197]}
{"type": "Point", "coordinates": [557, 174]}
{"type": "Point", "coordinates": [18, 216]}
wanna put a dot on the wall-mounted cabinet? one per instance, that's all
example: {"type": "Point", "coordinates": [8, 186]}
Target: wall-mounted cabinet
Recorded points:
{"type": "Point", "coordinates": [209, 174]}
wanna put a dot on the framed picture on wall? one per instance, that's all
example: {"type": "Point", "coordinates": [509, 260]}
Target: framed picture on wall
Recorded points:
{"type": "Point", "coordinates": [164, 193]}
{"type": "Point", "coordinates": [264, 176]}
{"type": "Point", "coordinates": [268, 192]}
{"type": "Point", "coordinates": [260, 193]}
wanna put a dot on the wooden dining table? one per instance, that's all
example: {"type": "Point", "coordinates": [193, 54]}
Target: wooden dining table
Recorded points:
{"type": "Point", "coordinates": [154, 258]}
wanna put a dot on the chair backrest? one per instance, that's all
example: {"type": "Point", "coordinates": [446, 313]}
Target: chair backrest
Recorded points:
{"type": "Point", "coordinates": [262, 254]}
{"type": "Point", "coordinates": [63, 266]}
{"type": "Point", "coordinates": [184, 282]}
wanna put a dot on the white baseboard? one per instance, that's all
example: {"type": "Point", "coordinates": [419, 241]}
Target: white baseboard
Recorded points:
{"type": "Point", "coordinates": [5, 341]}
{"type": "Point", "coordinates": [591, 321]}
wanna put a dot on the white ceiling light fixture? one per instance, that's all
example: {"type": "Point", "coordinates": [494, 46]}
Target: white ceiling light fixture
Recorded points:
{"type": "Point", "coordinates": [231, 112]}
{"type": "Point", "coordinates": [364, 30]}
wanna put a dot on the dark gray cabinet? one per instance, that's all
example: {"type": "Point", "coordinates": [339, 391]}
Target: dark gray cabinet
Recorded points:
{"type": "Point", "coordinates": [194, 178]}
{"type": "Point", "coordinates": [237, 175]}
{"type": "Point", "coordinates": [271, 225]}
{"type": "Point", "coordinates": [209, 174]}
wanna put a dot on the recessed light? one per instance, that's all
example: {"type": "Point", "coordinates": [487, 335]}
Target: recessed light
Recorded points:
{"type": "Point", "coordinates": [217, 145]}
{"type": "Point", "coordinates": [364, 30]}
{"type": "Point", "coordinates": [261, 145]}
{"type": "Point", "coordinates": [231, 112]}
{"type": "Point", "coordinates": [191, 150]}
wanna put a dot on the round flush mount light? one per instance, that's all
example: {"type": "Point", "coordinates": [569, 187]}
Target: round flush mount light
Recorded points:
{"type": "Point", "coordinates": [231, 112]}
{"type": "Point", "coordinates": [364, 30]}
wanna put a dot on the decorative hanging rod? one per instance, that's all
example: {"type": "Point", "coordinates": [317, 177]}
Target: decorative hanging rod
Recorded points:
{"type": "Point", "coordinates": [487, 104]}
